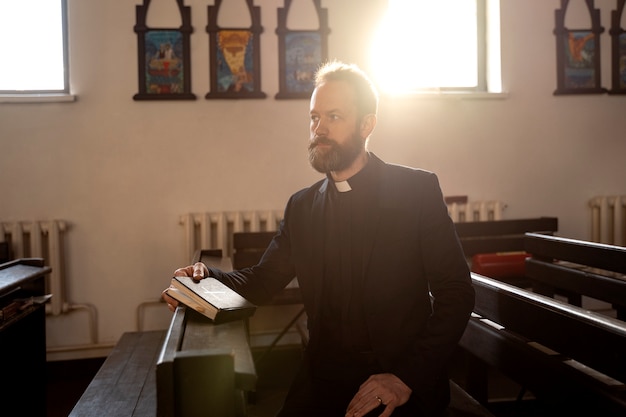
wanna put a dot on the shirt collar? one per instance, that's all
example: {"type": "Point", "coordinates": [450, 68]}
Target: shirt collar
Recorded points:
{"type": "Point", "coordinates": [356, 181]}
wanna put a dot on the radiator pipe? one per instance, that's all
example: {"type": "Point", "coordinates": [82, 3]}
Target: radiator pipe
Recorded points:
{"type": "Point", "coordinates": [93, 317]}
{"type": "Point", "coordinates": [140, 311]}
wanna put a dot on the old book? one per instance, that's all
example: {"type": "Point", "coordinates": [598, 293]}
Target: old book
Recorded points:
{"type": "Point", "coordinates": [211, 298]}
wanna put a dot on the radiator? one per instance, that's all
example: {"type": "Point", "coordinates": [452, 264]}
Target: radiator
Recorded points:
{"type": "Point", "coordinates": [40, 239]}
{"type": "Point", "coordinates": [214, 230]}
{"type": "Point", "coordinates": [608, 219]}
{"type": "Point", "coordinates": [475, 211]}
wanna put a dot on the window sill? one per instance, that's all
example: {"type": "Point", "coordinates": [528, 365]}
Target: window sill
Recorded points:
{"type": "Point", "coordinates": [451, 95]}
{"type": "Point", "coordinates": [37, 98]}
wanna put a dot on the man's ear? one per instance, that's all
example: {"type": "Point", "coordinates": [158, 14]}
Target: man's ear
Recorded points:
{"type": "Point", "coordinates": [368, 123]}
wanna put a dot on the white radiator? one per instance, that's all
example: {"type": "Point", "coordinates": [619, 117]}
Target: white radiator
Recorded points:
{"type": "Point", "coordinates": [608, 219]}
{"type": "Point", "coordinates": [475, 211]}
{"type": "Point", "coordinates": [40, 239]}
{"type": "Point", "coordinates": [215, 230]}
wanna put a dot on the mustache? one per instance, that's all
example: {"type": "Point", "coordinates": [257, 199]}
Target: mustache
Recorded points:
{"type": "Point", "coordinates": [321, 140]}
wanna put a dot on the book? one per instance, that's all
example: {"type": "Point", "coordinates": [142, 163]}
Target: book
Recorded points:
{"type": "Point", "coordinates": [211, 298]}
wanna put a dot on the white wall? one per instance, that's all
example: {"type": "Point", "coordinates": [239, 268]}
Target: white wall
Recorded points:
{"type": "Point", "coordinates": [121, 172]}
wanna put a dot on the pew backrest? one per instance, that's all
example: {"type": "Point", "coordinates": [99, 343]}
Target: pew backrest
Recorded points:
{"type": "Point", "coordinates": [580, 268]}
{"type": "Point", "coordinates": [501, 235]}
{"type": "Point", "coordinates": [561, 353]}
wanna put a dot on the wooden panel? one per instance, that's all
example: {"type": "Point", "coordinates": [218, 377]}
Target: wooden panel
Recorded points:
{"type": "Point", "coordinates": [602, 287]}
{"type": "Point", "coordinates": [594, 339]}
{"type": "Point", "coordinates": [506, 227]}
{"type": "Point", "coordinates": [205, 383]}
{"type": "Point", "coordinates": [500, 235]}
{"type": "Point", "coordinates": [23, 335]}
{"type": "Point", "coordinates": [598, 255]}
{"type": "Point", "coordinates": [463, 405]}
{"type": "Point", "coordinates": [201, 333]}
{"type": "Point", "coordinates": [125, 385]}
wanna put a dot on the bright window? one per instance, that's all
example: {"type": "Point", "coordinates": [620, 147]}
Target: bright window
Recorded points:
{"type": "Point", "coordinates": [34, 48]}
{"type": "Point", "coordinates": [438, 45]}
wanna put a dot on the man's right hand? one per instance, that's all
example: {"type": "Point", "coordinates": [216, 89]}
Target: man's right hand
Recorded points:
{"type": "Point", "coordinates": [196, 271]}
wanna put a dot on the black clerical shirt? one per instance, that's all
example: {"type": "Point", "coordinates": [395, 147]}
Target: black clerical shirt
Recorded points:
{"type": "Point", "coordinates": [344, 338]}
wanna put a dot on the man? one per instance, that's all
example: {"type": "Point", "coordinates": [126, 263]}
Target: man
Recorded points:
{"type": "Point", "coordinates": [383, 278]}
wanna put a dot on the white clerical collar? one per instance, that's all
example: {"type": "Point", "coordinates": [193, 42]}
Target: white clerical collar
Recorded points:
{"type": "Point", "coordinates": [343, 186]}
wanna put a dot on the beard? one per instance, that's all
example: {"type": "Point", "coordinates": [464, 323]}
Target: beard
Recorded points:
{"type": "Point", "coordinates": [337, 157]}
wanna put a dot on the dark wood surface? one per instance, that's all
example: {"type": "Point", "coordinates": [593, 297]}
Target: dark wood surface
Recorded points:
{"type": "Point", "coordinates": [464, 405]}
{"type": "Point", "coordinates": [23, 335]}
{"type": "Point", "coordinates": [597, 255]}
{"type": "Point", "coordinates": [160, 372]}
{"type": "Point", "coordinates": [501, 235]}
{"type": "Point", "coordinates": [125, 385]}
{"type": "Point", "coordinates": [5, 255]}
{"type": "Point", "coordinates": [191, 331]}
{"type": "Point", "coordinates": [577, 268]}
{"type": "Point", "coordinates": [536, 341]}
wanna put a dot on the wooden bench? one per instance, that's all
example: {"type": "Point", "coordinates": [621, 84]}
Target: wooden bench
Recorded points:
{"type": "Point", "coordinates": [495, 248]}
{"type": "Point", "coordinates": [501, 235]}
{"type": "Point", "coordinates": [203, 366]}
{"type": "Point", "coordinates": [570, 359]}
{"type": "Point", "coordinates": [23, 334]}
{"type": "Point", "coordinates": [125, 384]}
{"type": "Point", "coordinates": [577, 268]}
{"type": "Point", "coordinates": [193, 367]}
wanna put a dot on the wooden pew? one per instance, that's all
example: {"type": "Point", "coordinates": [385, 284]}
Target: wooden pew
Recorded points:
{"type": "Point", "coordinates": [203, 366]}
{"type": "Point", "coordinates": [125, 384]}
{"type": "Point", "coordinates": [501, 235]}
{"type": "Point", "coordinates": [193, 367]}
{"type": "Point", "coordinates": [570, 359]}
{"type": "Point", "coordinates": [495, 248]}
{"type": "Point", "coordinates": [23, 335]}
{"type": "Point", "coordinates": [577, 268]}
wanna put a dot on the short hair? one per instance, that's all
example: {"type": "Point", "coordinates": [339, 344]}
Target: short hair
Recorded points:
{"type": "Point", "coordinates": [365, 92]}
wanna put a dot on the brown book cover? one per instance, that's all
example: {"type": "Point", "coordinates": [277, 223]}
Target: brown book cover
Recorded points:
{"type": "Point", "coordinates": [211, 298]}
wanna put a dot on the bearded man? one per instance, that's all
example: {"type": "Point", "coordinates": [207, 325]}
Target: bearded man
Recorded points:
{"type": "Point", "coordinates": [383, 278]}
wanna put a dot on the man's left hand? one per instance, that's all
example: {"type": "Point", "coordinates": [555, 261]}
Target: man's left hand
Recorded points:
{"type": "Point", "coordinates": [381, 389]}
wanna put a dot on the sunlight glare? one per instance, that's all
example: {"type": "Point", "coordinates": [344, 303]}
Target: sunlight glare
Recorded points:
{"type": "Point", "coordinates": [37, 59]}
{"type": "Point", "coordinates": [414, 50]}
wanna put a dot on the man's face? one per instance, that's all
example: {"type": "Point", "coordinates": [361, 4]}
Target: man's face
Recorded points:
{"type": "Point", "coordinates": [335, 139]}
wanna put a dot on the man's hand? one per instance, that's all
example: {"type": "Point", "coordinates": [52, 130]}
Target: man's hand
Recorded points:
{"type": "Point", "coordinates": [196, 271]}
{"type": "Point", "coordinates": [380, 389]}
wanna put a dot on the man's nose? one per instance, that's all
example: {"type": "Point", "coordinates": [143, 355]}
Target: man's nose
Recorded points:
{"type": "Point", "coordinates": [320, 128]}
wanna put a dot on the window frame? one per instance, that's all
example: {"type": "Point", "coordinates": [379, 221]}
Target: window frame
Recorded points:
{"type": "Point", "coordinates": [488, 54]}
{"type": "Point", "coordinates": [44, 95]}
